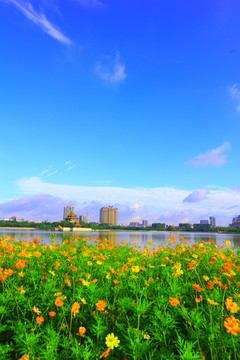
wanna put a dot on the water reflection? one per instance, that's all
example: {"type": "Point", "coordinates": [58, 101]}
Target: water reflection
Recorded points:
{"type": "Point", "coordinates": [140, 238]}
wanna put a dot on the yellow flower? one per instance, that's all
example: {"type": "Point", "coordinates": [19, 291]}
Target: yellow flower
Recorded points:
{"type": "Point", "coordinates": [112, 341]}
{"type": "Point", "coordinates": [227, 243]}
{"type": "Point", "coordinates": [135, 269]}
{"type": "Point", "coordinates": [146, 336]}
{"type": "Point", "coordinates": [83, 300]}
{"type": "Point", "coordinates": [177, 266]}
{"type": "Point", "coordinates": [84, 282]}
{"type": "Point", "coordinates": [150, 242]}
{"type": "Point", "coordinates": [206, 278]}
{"type": "Point", "coordinates": [36, 310]}
{"type": "Point", "coordinates": [212, 302]}
{"type": "Point", "coordinates": [21, 290]}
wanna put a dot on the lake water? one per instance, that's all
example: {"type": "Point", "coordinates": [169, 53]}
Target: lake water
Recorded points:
{"type": "Point", "coordinates": [140, 238]}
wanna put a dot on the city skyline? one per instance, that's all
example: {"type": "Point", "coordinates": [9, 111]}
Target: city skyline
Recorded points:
{"type": "Point", "coordinates": [136, 104]}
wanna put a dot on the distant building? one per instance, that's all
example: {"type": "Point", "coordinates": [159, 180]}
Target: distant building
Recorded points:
{"type": "Point", "coordinates": [236, 218]}
{"type": "Point", "coordinates": [109, 215]}
{"type": "Point", "coordinates": [144, 223]}
{"type": "Point", "coordinates": [134, 224]}
{"type": "Point", "coordinates": [13, 218]}
{"type": "Point", "coordinates": [67, 210]}
{"type": "Point", "coordinates": [158, 226]}
{"type": "Point", "coordinates": [235, 221]}
{"type": "Point", "coordinates": [212, 220]}
{"type": "Point", "coordinates": [204, 222]}
{"type": "Point", "coordinates": [83, 218]}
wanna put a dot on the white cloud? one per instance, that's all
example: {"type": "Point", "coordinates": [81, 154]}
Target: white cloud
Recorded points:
{"type": "Point", "coordinates": [40, 20]}
{"type": "Point", "coordinates": [197, 195]}
{"type": "Point", "coordinates": [215, 157]}
{"type": "Point", "coordinates": [163, 204]}
{"type": "Point", "coordinates": [234, 91]}
{"type": "Point", "coordinates": [111, 69]}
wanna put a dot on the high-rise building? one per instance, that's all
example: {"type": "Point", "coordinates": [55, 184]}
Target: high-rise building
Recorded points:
{"type": "Point", "coordinates": [144, 223]}
{"type": "Point", "coordinates": [212, 220]}
{"type": "Point", "coordinates": [83, 218]}
{"type": "Point", "coordinates": [67, 210]}
{"type": "Point", "coordinates": [109, 215]}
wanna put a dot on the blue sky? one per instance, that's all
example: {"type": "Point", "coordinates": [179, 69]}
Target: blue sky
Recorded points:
{"type": "Point", "coordinates": [132, 104]}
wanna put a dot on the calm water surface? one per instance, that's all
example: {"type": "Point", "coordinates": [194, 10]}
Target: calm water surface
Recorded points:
{"type": "Point", "coordinates": [140, 238]}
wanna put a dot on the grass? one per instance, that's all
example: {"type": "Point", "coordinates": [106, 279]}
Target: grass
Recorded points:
{"type": "Point", "coordinates": [89, 299]}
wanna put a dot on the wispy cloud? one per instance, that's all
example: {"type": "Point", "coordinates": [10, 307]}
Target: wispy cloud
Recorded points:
{"type": "Point", "coordinates": [234, 91]}
{"type": "Point", "coordinates": [39, 19]}
{"type": "Point", "coordinates": [71, 167]}
{"type": "Point", "coordinates": [50, 170]}
{"type": "Point", "coordinates": [111, 69]}
{"type": "Point", "coordinates": [197, 195]}
{"type": "Point", "coordinates": [215, 157]}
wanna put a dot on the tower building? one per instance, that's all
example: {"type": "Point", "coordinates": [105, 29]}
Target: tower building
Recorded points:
{"type": "Point", "coordinates": [212, 221]}
{"type": "Point", "coordinates": [67, 210]}
{"type": "Point", "coordinates": [109, 215]}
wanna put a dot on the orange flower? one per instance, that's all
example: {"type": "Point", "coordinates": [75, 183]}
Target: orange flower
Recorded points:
{"type": "Point", "coordinates": [75, 308]}
{"type": "Point", "coordinates": [232, 306]}
{"type": "Point", "coordinates": [198, 299]}
{"type": "Point", "coordinates": [232, 325]}
{"type": "Point", "coordinates": [24, 357]}
{"type": "Point", "coordinates": [52, 313]}
{"type": "Point", "coordinates": [197, 287]}
{"type": "Point", "coordinates": [68, 282]}
{"type": "Point", "coordinates": [8, 272]}
{"type": "Point", "coordinates": [81, 331]}
{"type": "Point", "coordinates": [116, 281]}
{"type": "Point", "coordinates": [100, 305]}
{"type": "Point", "coordinates": [20, 264]}
{"type": "Point", "coordinates": [105, 353]}
{"type": "Point", "coordinates": [39, 319]}
{"type": "Point", "coordinates": [59, 301]}
{"type": "Point", "coordinates": [37, 254]}
{"type": "Point", "coordinates": [174, 301]}
{"type": "Point", "coordinates": [94, 281]}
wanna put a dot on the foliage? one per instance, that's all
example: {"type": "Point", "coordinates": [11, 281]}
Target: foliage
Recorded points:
{"type": "Point", "coordinates": [90, 299]}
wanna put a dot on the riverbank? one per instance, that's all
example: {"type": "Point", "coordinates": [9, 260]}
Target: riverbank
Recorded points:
{"type": "Point", "coordinates": [17, 228]}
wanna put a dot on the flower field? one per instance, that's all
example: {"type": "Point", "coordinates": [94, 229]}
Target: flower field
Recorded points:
{"type": "Point", "coordinates": [88, 299]}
